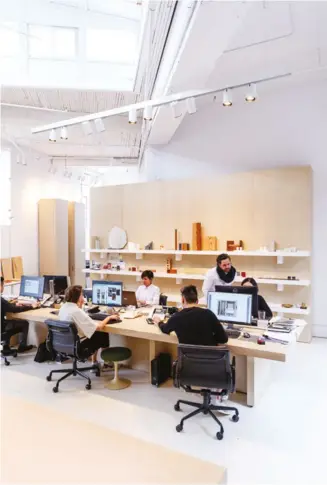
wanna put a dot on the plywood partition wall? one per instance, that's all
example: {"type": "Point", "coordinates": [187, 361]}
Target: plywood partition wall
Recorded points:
{"type": "Point", "coordinates": [256, 207]}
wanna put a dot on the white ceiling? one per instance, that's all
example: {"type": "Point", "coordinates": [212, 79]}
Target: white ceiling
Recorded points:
{"type": "Point", "coordinates": [237, 42]}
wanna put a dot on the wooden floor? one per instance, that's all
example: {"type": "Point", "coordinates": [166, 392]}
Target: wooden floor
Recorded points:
{"type": "Point", "coordinates": [40, 445]}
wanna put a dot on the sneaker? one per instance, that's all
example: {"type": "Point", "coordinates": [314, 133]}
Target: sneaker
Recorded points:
{"type": "Point", "coordinates": [24, 348]}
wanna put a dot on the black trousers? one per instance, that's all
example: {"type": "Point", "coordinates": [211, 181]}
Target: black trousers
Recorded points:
{"type": "Point", "coordinates": [99, 340]}
{"type": "Point", "coordinates": [13, 327]}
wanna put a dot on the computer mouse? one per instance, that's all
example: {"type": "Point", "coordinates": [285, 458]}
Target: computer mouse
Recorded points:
{"type": "Point", "coordinates": [261, 341]}
{"type": "Point", "coordinates": [246, 335]}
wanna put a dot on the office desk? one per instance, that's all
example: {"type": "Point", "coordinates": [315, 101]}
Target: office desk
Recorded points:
{"type": "Point", "coordinates": [253, 362]}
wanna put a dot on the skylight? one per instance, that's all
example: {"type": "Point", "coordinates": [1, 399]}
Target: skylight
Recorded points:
{"type": "Point", "coordinates": [77, 44]}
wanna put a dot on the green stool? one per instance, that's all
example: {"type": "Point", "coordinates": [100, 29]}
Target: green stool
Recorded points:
{"type": "Point", "coordinates": [116, 355]}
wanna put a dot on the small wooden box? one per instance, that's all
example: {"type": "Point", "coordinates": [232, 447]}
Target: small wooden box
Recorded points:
{"type": "Point", "coordinates": [210, 243]}
{"type": "Point", "coordinates": [197, 240]}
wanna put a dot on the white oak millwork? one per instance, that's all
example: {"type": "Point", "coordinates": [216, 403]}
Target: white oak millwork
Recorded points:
{"type": "Point", "coordinates": [257, 207]}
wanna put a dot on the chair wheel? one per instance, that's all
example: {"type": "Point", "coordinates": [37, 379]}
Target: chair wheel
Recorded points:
{"type": "Point", "coordinates": [235, 418]}
{"type": "Point", "coordinates": [7, 362]}
{"type": "Point", "coordinates": [179, 428]}
{"type": "Point", "coordinates": [55, 389]}
{"type": "Point", "coordinates": [98, 374]}
{"type": "Point", "coordinates": [15, 355]}
{"type": "Point", "coordinates": [48, 378]}
{"type": "Point", "coordinates": [176, 407]}
{"type": "Point", "coordinates": [219, 436]}
{"type": "Point", "coordinates": [205, 411]}
{"type": "Point", "coordinates": [88, 386]}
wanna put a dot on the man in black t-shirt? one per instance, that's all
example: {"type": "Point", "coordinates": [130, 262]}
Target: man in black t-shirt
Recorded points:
{"type": "Point", "coordinates": [194, 325]}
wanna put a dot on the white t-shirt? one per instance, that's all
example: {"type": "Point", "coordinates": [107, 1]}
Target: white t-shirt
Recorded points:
{"type": "Point", "coordinates": [149, 294]}
{"type": "Point", "coordinates": [211, 280]}
{"type": "Point", "coordinates": [70, 312]}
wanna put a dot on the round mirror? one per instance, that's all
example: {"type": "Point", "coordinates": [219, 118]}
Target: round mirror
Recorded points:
{"type": "Point", "coordinates": [117, 238]}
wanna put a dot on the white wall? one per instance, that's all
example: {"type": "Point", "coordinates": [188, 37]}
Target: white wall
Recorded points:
{"type": "Point", "coordinates": [29, 184]}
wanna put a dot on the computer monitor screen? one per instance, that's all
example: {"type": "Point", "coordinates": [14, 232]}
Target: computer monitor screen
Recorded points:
{"type": "Point", "coordinates": [60, 283]}
{"type": "Point", "coordinates": [32, 286]}
{"type": "Point", "coordinates": [231, 307]}
{"type": "Point", "coordinates": [107, 293]}
{"type": "Point", "coordinates": [247, 290]}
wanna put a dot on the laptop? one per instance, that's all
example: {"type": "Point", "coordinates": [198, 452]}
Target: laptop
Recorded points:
{"type": "Point", "coordinates": [129, 298]}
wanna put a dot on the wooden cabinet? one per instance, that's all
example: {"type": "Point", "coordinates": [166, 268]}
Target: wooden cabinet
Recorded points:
{"type": "Point", "coordinates": [76, 241]}
{"type": "Point", "coordinates": [53, 236]}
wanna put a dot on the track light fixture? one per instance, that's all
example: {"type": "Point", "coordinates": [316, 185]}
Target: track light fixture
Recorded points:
{"type": "Point", "coordinates": [99, 125]}
{"type": "Point", "coordinates": [132, 117]}
{"type": "Point", "coordinates": [53, 136]}
{"type": "Point", "coordinates": [147, 114]}
{"type": "Point", "coordinates": [251, 94]}
{"type": "Point", "coordinates": [175, 107]}
{"type": "Point", "coordinates": [87, 128]}
{"type": "Point", "coordinates": [190, 106]}
{"type": "Point", "coordinates": [64, 133]}
{"type": "Point", "coordinates": [227, 98]}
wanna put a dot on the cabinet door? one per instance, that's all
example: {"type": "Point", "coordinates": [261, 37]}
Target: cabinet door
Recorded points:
{"type": "Point", "coordinates": [76, 242]}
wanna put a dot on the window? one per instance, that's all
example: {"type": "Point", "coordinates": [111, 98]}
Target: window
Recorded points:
{"type": "Point", "coordinates": [46, 42]}
{"type": "Point", "coordinates": [117, 46]}
{"type": "Point", "coordinates": [5, 188]}
{"type": "Point", "coordinates": [9, 40]}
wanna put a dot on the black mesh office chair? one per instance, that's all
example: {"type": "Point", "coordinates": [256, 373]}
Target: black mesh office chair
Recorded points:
{"type": "Point", "coordinates": [63, 339]}
{"type": "Point", "coordinates": [205, 368]}
{"type": "Point", "coordinates": [163, 300]}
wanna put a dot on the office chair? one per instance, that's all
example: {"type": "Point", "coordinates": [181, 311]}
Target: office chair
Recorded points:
{"type": "Point", "coordinates": [163, 300]}
{"type": "Point", "coordinates": [206, 368]}
{"type": "Point", "coordinates": [63, 339]}
{"type": "Point", "coordinates": [5, 337]}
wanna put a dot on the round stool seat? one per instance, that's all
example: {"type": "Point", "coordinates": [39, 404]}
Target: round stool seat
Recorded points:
{"type": "Point", "coordinates": [116, 354]}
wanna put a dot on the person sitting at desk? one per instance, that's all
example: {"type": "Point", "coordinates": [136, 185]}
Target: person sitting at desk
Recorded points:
{"type": "Point", "coordinates": [147, 294]}
{"type": "Point", "coordinates": [14, 327]}
{"type": "Point", "coordinates": [262, 304]}
{"type": "Point", "coordinates": [92, 339]}
{"type": "Point", "coordinates": [222, 275]}
{"type": "Point", "coordinates": [194, 325]}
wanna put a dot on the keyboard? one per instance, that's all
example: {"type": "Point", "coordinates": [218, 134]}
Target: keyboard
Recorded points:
{"type": "Point", "coordinates": [233, 333]}
{"type": "Point", "coordinates": [101, 316]}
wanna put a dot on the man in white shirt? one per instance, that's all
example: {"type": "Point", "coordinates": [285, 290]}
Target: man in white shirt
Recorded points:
{"type": "Point", "coordinates": [147, 294]}
{"type": "Point", "coordinates": [222, 275]}
{"type": "Point", "coordinates": [92, 339]}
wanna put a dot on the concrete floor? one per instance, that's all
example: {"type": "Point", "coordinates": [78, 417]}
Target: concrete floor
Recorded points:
{"type": "Point", "coordinates": [280, 441]}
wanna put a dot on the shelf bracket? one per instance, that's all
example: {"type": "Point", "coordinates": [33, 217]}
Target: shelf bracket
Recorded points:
{"type": "Point", "coordinates": [179, 281]}
{"type": "Point", "coordinates": [178, 257]}
{"type": "Point", "coordinates": [280, 287]}
{"type": "Point", "coordinates": [280, 259]}
{"type": "Point", "coordinates": [139, 256]}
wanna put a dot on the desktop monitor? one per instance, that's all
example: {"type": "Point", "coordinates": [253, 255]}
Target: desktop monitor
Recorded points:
{"type": "Point", "coordinates": [246, 290]}
{"type": "Point", "coordinates": [60, 284]}
{"type": "Point", "coordinates": [233, 308]}
{"type": "Point", "coordinates": [32, 286]}
{"type": "Point", "coordinates": [107, 293]}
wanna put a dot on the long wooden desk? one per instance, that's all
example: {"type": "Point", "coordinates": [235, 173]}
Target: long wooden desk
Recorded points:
{"type": "Point", "coordinates": [253, 361]}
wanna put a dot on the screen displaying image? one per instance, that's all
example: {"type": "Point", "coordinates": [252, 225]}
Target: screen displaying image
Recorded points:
{"type": "Point", "coordinates": [231, 307]}
{"type": "Point", "coordinates": [107, 293]}
{"type": "Point", "coordinates": [32, 287]}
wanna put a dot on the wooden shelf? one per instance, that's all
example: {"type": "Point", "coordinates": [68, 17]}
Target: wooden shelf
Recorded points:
{"type": "Point", "coordinates": [286, 254]}
{"type": "Point", "coordinates": [186, 276]}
